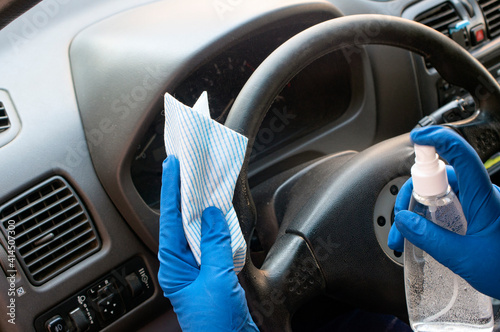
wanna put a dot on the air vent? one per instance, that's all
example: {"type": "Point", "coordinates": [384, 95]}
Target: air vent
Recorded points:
{"type": "Point", "coordinates": [4, 119]}
{"type": "Point", "coordinates": [53, 231]}
{"type": "Point", "coordinates": [491, 12]}
{"type": "Point", "coordinates": [440, 18]}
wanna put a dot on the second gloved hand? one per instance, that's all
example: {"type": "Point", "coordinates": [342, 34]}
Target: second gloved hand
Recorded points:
{"type": "Point", "coordinates": [475, 256]}
{"type": "Point", "coordinates": [206, 297]}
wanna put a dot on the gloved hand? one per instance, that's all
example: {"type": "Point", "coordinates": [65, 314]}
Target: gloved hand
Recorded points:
{"type": "Point", "coordinates": [206, 297]}
{"type": "Point", "coordinates": [476, 255]}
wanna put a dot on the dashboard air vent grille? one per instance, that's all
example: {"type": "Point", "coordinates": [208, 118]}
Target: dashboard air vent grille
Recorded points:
{"type": "Point", "coordinates": [4, 119]}
{"type": "Point", "coordinates": [491, 11]}
{"type": "Point", "coordinates": [439, 18]}
{"type": "Point", "coordinates": [52, 229]}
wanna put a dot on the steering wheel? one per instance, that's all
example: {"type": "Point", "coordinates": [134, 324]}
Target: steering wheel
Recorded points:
{"type": "Point", "coordinates": [326, 244]}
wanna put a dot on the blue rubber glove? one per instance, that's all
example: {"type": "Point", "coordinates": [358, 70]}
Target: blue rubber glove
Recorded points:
{"type": "Point", "coordinates": [205, 298]}
{"type": "Point", "coordinates": [475, 256]}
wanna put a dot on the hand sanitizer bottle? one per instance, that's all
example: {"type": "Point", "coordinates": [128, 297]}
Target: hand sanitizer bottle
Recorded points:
{"type": "Point", "coordinates": [437, 298]}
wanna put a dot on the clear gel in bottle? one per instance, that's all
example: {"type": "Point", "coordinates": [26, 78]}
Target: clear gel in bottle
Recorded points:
{"type": "Point", "coordinates": [437, 298]}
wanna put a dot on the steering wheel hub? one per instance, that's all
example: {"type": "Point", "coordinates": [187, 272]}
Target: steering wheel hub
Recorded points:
{"type": "Point", "coordinates": [383, 217]}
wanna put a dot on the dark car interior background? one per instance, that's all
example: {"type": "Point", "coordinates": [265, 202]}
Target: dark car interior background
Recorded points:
{"type": "Point", "coordinates": [81, 139]}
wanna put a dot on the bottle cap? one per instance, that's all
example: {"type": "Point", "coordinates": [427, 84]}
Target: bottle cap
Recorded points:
{"type": "Point", "coordinates": [428, 172]}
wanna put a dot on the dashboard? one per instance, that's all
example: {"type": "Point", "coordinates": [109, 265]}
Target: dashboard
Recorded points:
{"type": "Point", "coordinates": [81, 129]}
{"type": "Point", "coordinates": [319, 95]}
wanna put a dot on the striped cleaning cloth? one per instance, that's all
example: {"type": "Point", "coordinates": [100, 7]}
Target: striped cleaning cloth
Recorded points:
{"type": "Point", "coordinates": [210, 157]}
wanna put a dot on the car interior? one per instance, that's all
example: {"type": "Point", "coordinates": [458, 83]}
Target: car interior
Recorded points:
{"type": "Point", "coordinates": [326, 91]}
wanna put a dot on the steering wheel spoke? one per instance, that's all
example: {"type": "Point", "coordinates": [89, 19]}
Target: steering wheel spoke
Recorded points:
{"type": "Point", "coordinates": [289, 278]}
{"type": "Point", "coordinates": [482, 131]}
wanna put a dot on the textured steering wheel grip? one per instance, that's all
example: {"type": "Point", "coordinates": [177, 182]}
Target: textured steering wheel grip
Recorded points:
{"type": "Point", "coordinates": [12, 9]}
{"type": "Point", "coordinates": [453, 62]}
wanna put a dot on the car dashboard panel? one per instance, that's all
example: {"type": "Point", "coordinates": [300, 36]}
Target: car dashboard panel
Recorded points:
{"type": "Point", "coordinates": [81, 129]}
{"type": "Point", "coordinates": [318, 96]}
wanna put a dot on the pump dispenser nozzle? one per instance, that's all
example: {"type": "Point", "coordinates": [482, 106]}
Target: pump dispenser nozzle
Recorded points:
{"type": "Point", "coordinates": [425, 154]}
{"type": "Point", "coordinates": [428, 173]}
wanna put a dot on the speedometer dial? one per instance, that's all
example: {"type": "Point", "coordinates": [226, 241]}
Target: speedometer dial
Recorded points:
{"type": "Point", "coordinates": [317, 96]}
{"type": "Point", "coordinates": [223, 79]}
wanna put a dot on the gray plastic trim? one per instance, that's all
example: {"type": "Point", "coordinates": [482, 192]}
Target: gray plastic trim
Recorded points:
{"type": "Point", "coordinates": [123, 65]}
{"type": "Point", "coordinates": [15, 123]}
{"type": "Point", "coordinates": [384, 209]}
{"type": "Point", "coordinates": [36, 74]}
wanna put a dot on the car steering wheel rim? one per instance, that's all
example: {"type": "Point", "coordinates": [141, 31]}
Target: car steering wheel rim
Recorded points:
{"type": "Point", "coordinates": [273, 291]}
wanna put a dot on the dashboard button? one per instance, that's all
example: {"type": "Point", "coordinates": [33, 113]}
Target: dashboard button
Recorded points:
{"type": "Point", "coordinates": [103, 289]}
{"type": "Point", "coordinates": [110, 307]}
{"type": "Point", "coordinates": [106, 290]}
{"type": "Point", "coordinates": [56, 324]}
{"type": "Point", "coordinates": [478, 34]}
{"type": "Point", "coordinates": [134, 284]}
{"type": "Point", "coordinates": [80, 320]}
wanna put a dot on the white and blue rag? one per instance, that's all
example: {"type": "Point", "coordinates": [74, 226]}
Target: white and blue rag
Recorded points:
{"type": "Point", "coordinates": [210, 157]}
